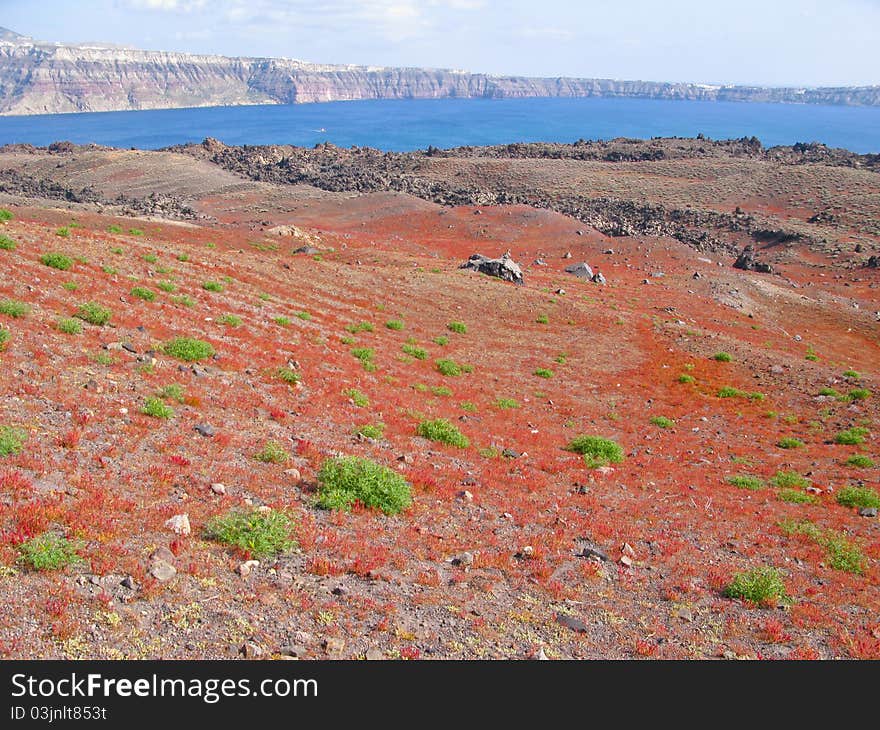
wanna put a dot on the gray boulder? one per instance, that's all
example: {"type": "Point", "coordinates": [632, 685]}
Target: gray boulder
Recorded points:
{"type": "Point", "coordinates": [503, 268]}
{"type": "Point", "coordinates": [581, 270]}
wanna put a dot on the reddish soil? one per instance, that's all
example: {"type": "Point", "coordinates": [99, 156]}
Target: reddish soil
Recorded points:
{"type": "Point", "coordinates": [109, 477]}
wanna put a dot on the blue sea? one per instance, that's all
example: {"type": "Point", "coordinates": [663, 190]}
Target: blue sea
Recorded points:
{"type": "Point", "coordinates": [402, 125]}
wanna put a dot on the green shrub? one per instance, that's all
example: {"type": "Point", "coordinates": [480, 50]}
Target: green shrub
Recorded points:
{"type": "Point", "coordinates": [365, 356]}
{"type": "Point", "coordinates": [63, 232]}
{"type": "Point", "coordinates": [597, 451]}
{"type": "Point", "coordinates": [155, 408]}
{"type": "Point", "coordinates": [852, 436]}
{"type": "Point", "coordinates": [5, 215]}
{"type": "Point", "coordinates": [305, 316]}
{"type": "Point", "coordinates": [852, 374]}
{"type": "Point", "coordinates": [14, 309]}
{"type": "Point", "coordinates": [4, 338]}
{"type": "Point", "coordinates": [272, 453]}
{"type": "Point", "coordinates": [167, 286]}
{"type": "Point", "coordinates": [343, 481]}
{"type": "Point", "coordinates": [288, 375]}
{"type": "Point", "coordinates": [790, 479]}
{"type": "Point", "coordinates": [662, 422]}
{"type": "Point", "coordinates": [374, 431]}
{"type": "Point", "coordinates": [357, 397]}
{"type": "Point", "coordinates": [93, 313]}
{"type": "Point", "coordinates": [11, 440]}
{"type": "Point", "coordinates": [789, 443]}
{"type": "Point", "coordinates": [467, 406]}
{"type": "Point", "coordinates": [444, 431]}
{"type": "Point", "coordinates": [230, 320]}
{"type": "Point", "coordinates": [416, 352]}
{"type": "Point", "coordinates": [759, 586]}
{"type": "Point", "coordinates": [173, 392]}
{"type": "Point", "coordinates": [114, 229]}
{"type": "Point", "coordinates": [722, 357]}
{"type": "Point", "coordinates": [360, 327]}
{"type": "Point", "coordinates": [214, 286]}
{"type": "Point", "coordinates": [48, 551]}
{"type": "Point", "coordinates": [544, 373]}
{"type": "Point", "coordinates": [685, 378]}
{"type": "Point", "coordinates": [446, 366]}
{"type": "Point", "coordinates": [254, 533]}
{"type": "Point", "coordinates": [188, 349]}
{"type": "Point", "coordinates": [843, 554]}
{"type": "Point", "coordinates": [183, 300]}
{"type": "Point", "coordinates": [69, 326]}
{"type": "Point", "coordinates": [542, 319]}
{"type": "Point", "coordinates": [730, 392]}
{"type": "Point", "coordinates": [746, 481]}
{"type": "Point", "coordinates": [57, 261]}
{"type": "Point", "coordinates": [506, 403]}
{"type": "Point", "coordinates": [135, 232]}
{"type": "Point", "coordinates": [70, 286]}
{"type": "Point", "coordinates": [795, 496]}
{"type": "Point", "coordinates": [860, 461]}
{"type": "Point", "coordinates": [148, 295]}
{"type": "Point", "coordinates": [394, 324]}
{"type": "Point", "coordinates": [811, 355]}
{"type": "Point", "coordinates": [858, 394]}
{"type": "Point", "coordinates": [282, 321]}
{"type": "Point", "coordinates": [829, 392]}
{"type": "Point", "coordinates": [457, 327]}
{"type": "Point", "coordinates": [7, 244]}
{"type": "Point", "coordinates": [183, 257]}
{"type": "Point", "coordinates": [854, 496]}
{"type": "Point", "coordinates": [441, 340]}
{"type": "Point", "coordinates": [441, 390]}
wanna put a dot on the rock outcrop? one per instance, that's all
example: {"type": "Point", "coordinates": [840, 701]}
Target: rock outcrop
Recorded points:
{"type": "Point", "coordinates": [748, 261]}
{"type": "Point", "coordinates": [503, 267]}
{"type": "Point", "coordinates": [48, 78]}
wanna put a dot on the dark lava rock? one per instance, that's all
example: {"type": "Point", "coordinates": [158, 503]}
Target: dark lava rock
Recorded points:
{"type": "Point", "coordinates": [503, 268]}
{"type": "Point", "coordinates": [307, 250]}
{"type": "Point", "coordinates": [581, 270]}
{"type": "Point", "coordinates": [571, 622]}
{"type": "Point", "coordinates": [868, 511]}
{"type": "Point", "coordinates": [873, 262]}
{"type": "Point", "coordinates": [747, 261]}
{"type": "Point", "coordinates": [598, 278]}
{"type": "Point", "coordinates": [204, 429]}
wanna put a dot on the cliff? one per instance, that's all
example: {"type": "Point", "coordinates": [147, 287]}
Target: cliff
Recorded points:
{"type": "Point", "coordinates": [51, 78]}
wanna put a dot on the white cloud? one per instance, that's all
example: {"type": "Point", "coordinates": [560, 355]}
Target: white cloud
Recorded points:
{"type": "Point", "coordinates": [184, 6]}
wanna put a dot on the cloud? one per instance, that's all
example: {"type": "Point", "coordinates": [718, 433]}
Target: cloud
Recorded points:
{"type": "Point", "coordinates": [184, 6]}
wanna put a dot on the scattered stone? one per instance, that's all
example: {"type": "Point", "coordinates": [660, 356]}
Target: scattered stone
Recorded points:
{"type": "Point", "coordinates": [406, 458]}
{"type": "Point", "coordinates": [627, 549]}
{"type": "Point", "coordinates": [510, 454]}
{"type": "Point", "coordinates": [293, 475]}
{"type": "Point", "coordinates": [374, 654]}
{"type": "Point", "coordinates": [581, 270]}
{"type": "Point", "coordinates": [218, 488]}
{"type": "Point", "coordinates": [304, 637]}
{"type": "Point", "coordinates": [605, 470]}
{"type": "Point", "coordinates": [540, 262]}
{"type": "Point", "coordinates": [697, 275]}
{"type": "Point", "coordinates": [340, 591]}
{"type": "Point", "coordinates": [626, 560]}
{"type": "Point", "coordinates": [527, 552]}
{"type": "Point", "coordinates": [599, 278]}
{"type": "Point", "coordinates": [179, 524]}
{"type": "Point", "coordinates": [128, 582]}
{"type": "Point", "coordinates": [129, 348]}
{"type": "Point", "coordinates": [307, 250]}
{"type": "Point", "coordinates": [162, 570]}
{"type": "Point", "coordinates": [502, 268]}
{"type": "Point", "coordinates": [685, 614]}
{"type": "Point", "coordinates": [609, 251]}
{"type": "Point", "coordinates": [334, 647]}
{"type": "Point", "coordinates": [561, 292]}
{"type": "Point", "coordinates": [464, 559]}
{"type": "Point", "coordinates": [587, 549]}
{"type": "Point", "coordinates": [567, 255]}
{"type": "Point", "coordinates": [867, 511]}
{"type": "Point", "coordinates": [251, 650]}
{"type": "Point", "coordinates": [465, 496]}
{"type": "Point", "coordinates": [747, 261]}
{"type": "Point", "coordinates": [247, 567]}
{"type": "Point", "coordinates": [571, 622]}
{"type": "Point", "coordinates": [873, 262]}
{"type": "Point", "coordinates": [204, 429]}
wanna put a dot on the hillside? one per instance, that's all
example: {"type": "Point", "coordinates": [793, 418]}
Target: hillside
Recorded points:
{"type": "Point", "coordinates": [48, 78]}
{"type": "Point", "coordinates": [744, 404]}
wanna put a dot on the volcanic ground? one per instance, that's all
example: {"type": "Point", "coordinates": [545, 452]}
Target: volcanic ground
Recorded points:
{"type": "Point", "coordinates": [328, 284]}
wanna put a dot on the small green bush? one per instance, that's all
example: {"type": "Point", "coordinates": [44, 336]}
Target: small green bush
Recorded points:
{"type": "Point", "coordinates": [183, 300]}
{"type": "Point", "coordinates": [441, 390]}
{"type": "Point", "coordinates": [759, 586]}
{"type": "Point", "coordinates": [842, 554]}
{"type": "Point", "coordinates": [7, 244]}
{"type": "Point", "coordinates": [11, 440]}
{"type": "Point", "coordinates": [288, 375]}
{"type": "Point", "coordinates": [254, 533]}
{"type": "Point", "coordinates": [188, 349]}
{"type": "Point", "coordinates": [685, 378]}
{"type": "Point", "coordinates": [450, 368]}
{"type": "Point", "coordinates": [457, 327]}
{"type": "Point", "coordinates": [4, 338]}
{"type": "Point", "coordinates": [155, 408]}
{"type": "Point", "coordinates": [467, 406]}
{"type": "Point", "coordinates": [542, 319]}
{"type": "Point", "coordinates": [544, 373]}
{"type": "Point", "coordinates": [829, 392]}
{"type": "Point", "coordinates": [357, 397]}
{"type": "Point", "coordinates": [343, 481]}
{"type": "Point", "coordinates": [789, 443]}
{"type": "Point", "coordinates": [662, 422]}
{"type": "Point", "coordinates": [416, 352]}
{"type": "Point", "coordinates": [167, 286]}
{"type": "Point", "coordinates": [5, 215]}
{"type": "Point", "coordinates": [57, 261]}
{"type": "Point", "coordinates": [443, 431]}
{"type": "Point", "coordinates": [230, 320]}
{"type": "Point", "coordinates": [14, 309]}
{"type": "Point", "coordinates": [796, 496]}
{"type": "Point", "coordinates": [722, 357]}
{"type": "Point", "coordinates": [506, 403]}
{"type": "Point", "coordinates": [172, 391]}
{"type": "Point", "coordinates": [282, 321]}
{"type": "Point", "coordinates": [48, 551]}
{"type": "Point", "coordinates": [63, 232]}
{"type": "Point", "coordinates": [183, 257]}
{"type": "Point", "coordinates": [855, 496]}
{"type": "Point", "coordinates": [365, 356]}
{"type": "Point", "coordinates": [852, 374]}
{"type": "Point", "coordinates": [272, 453]}
{"type": "Point", "coordinates": [69, 326]}
{"type": "Point", "coordinates": [790, 479]}
{"type": "Point", "coordinates": [135, 232]}
{"type": "Point", "coordinates": [304, 316]}
{"type": "Point", "coordinates": [596, 450]}
{"type": "Point", "coordinates": [114, 229]}
{"type": "Point", "coordinates": [394, 324]}
{"type": "Point", "coordinates": [852, 436]}
{"type": "Point", "coordinates": [441, 340]}
{"type": "Point", "coordinates": [93, 313]}
{"type": "Point", "coordinates": [746, 481]}
{"type": "Point", "coordinates": [860, 461]}
{"type": "Point", "coordinates": [858, 394]}
{"type": "Point", "coordinates": [730, 392]}
{"type": "Point", "coordinates": [374, 431]}
{"type": "Point", "coordinates": [214, 286]}
{"type": "Point", "coordinates": [148, 295]}
{"type": "Point", "coordinates": [360, 327]}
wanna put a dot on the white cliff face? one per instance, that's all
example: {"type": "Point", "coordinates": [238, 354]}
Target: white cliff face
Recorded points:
{"type": "Point", "coordinates": [48, 78]}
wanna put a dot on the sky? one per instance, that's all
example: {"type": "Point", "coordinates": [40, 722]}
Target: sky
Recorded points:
{"type": "Point", "coordinates": [763, 42]}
